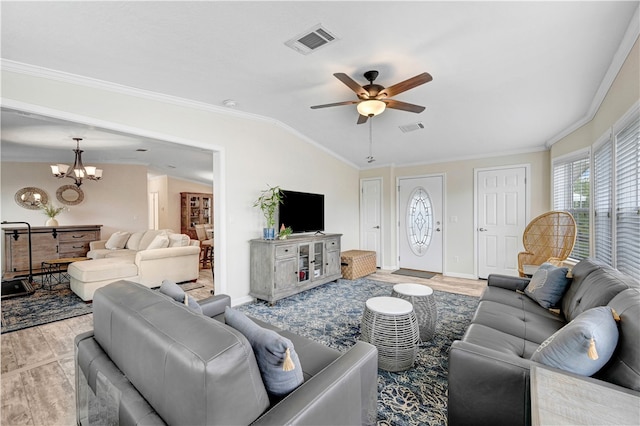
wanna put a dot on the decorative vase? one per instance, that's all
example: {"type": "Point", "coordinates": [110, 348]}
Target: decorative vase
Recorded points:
{"type": "Point", "coordinates": [52, 222]}
{"type": "Point", "coordinates": [269, 233]}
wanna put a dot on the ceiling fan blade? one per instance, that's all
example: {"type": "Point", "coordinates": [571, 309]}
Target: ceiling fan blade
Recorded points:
{"type": "Point", "coordinates": [405, 85]}
{"type": "Point", "coordinates": [335, 104]}
{"type": "Point", "coordinates": [362, 119]}
{"type": "Point", "coordinates": [404, 106]}
{"type": "Point", "coordinates": [352, 84]}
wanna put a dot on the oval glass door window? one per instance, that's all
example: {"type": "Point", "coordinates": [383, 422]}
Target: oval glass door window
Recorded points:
{"type": "Point", "coordinates": [419, 221]}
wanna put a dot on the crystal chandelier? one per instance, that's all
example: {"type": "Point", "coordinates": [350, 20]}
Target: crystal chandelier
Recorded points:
{"type": "Point", "coordinates": [79, 171]}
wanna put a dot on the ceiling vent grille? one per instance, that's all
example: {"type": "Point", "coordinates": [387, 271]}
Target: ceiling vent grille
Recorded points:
{"type": "Point", "coordinates": [411, 127]}
{"type": "Point", "coordinates": [311, 40]}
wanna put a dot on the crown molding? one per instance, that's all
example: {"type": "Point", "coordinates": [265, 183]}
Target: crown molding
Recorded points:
{"type": "Point", "coordinates": [65, 77]}
{"type": "Point", "coordinates": [629, 39]}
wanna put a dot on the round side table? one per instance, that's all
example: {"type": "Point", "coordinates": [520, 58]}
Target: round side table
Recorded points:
{"type": "Point", "coordinates": [424, 305]}
{"type": "Point", "coordinates": [391, 325]}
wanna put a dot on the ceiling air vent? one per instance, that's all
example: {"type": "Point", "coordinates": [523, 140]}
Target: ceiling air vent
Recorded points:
{"type": "Point", "coordinates": [411, 127]}
{"type": "Point", "coordinates": [311, 40]}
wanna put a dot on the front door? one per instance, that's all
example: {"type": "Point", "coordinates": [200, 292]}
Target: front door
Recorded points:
{"type": "Point", "coordinates": [420, 225]}
{"type": "Point", "coordinates": [501, 219]}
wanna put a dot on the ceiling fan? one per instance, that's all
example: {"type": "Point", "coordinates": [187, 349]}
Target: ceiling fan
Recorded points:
{"type": "Point", "coordinates": [374, 98]}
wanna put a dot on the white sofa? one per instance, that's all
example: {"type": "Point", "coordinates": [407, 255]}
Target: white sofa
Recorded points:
{"type": "Point", "coordinates": [136, 261]}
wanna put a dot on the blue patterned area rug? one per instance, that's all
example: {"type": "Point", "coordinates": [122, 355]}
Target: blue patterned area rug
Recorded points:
{"type": "Point", "coordinates": [42, 307]}
{"type": "Point", "coordinates": [331, 314]}
{"type": "Point", "coordinates": [45, 306]}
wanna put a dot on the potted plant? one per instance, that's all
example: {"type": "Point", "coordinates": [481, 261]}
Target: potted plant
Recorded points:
{"type": "Point", "coordinates": [51, 211]}
{"type": "Point", "coordinates": [285, 232]}
{"type": "Point", "coordinates": [268, 202]}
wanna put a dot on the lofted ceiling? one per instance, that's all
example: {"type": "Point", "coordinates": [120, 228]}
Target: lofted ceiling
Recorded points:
{"type": "Point", "coordinates": [508, 77]}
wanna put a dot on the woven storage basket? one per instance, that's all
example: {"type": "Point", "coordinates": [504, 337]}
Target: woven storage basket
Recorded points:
{"type": "Point", "coordinates": [357, 263]}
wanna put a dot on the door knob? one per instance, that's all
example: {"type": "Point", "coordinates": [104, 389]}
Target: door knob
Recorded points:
{"type": "Point", "coordinates": [376, 227]}
{"type": "Point", "coordinates": [482, 230]}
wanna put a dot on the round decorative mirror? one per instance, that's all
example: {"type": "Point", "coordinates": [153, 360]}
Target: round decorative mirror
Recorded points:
{"type": "Point", "coordinates": [70, 195]}
{"type": "Point", "coordinates": [31, 198]}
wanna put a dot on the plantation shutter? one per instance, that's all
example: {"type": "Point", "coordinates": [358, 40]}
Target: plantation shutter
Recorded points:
{"type": "Point", "coordinates": [627, 163]}
{"type": "Point", "coordinates": [571, 193]}
{"type": "Point", "coordinates": [602, 202]}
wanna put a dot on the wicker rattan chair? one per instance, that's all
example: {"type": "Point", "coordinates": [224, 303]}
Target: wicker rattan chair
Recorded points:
{"type": "Point", "coordinates": [549, 237]}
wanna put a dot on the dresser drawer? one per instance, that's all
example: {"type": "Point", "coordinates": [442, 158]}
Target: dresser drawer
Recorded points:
{"type": "Point", "coordinates": [286, 251]}
{"type": "Point", "coordinates": [73, 249]}
{"type": "Point", "coordinates": [332, 244]}
{"type": "Point", "coordinates": [75, 236]}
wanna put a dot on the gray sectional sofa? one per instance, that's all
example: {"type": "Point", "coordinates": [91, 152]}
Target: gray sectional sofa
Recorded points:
{"type": "Point", "coordinates": [489, 381]}
{"type": "Point", "coordinates": [152, 361]}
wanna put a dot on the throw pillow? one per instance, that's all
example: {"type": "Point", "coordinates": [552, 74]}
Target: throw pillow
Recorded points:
{"type": "Point", "coordinates": [548, 284]}
{"type": "Point", "coordinates": [160, 241]}
{"type": "Point", "coordinates": [277, 359]}
{"type": "Point", "coordinates": [117, 240]}
{"type": "Point", "coordinates": [179, 240]}
{"type": "Point", "coordinates": [174, 291]}
{"type": "Point", "coordinates": [584, 345]}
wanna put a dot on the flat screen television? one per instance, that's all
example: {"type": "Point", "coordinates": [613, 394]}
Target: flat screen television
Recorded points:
{"type": "Point", "coordinates": [302, 211]}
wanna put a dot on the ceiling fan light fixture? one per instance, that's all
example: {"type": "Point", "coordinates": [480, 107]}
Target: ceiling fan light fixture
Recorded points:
{"type": "Point", "coordinates": [371, 107]}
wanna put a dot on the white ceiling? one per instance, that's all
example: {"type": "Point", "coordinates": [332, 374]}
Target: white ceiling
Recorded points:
{"type": "Point", "coordinates": [508, 77]}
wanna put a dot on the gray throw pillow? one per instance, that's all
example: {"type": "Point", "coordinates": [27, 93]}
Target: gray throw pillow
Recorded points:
{"type": "Point", "coordinates": [584, 345]}
{"type": "Point", "coordinates": [548, 284]}
{"type": "Point", "coordinates": [270, 350]}
{"type": "Point", "coordinates": [174, 291]}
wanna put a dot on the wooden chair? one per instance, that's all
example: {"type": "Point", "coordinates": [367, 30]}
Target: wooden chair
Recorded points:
{"type": "Point", "coordinates": [549, 237]}
{"type": "Point", "coordinates": [206, 246]}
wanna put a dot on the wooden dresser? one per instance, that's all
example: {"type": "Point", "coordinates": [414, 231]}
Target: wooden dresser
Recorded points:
{"type": "Point", "coordinates": [47, 243]}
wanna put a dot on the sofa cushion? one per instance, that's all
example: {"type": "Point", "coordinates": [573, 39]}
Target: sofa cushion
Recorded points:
{"type": "Point", "coordinates": [594, 284]}
{"type": "Point", "coordinates": [272, 352]}
{"type": "Point", "coordinates": [499, 341]}
{"type": "Point", "coordinates": [117, 240]}
{"type": "Point", "coordinates": [158, 242]}
{"type": "Point", "coordinates": [584, 345]}
{"type": "Point", "coordinates": [624, 367]}
{"type": "Point", "coordinates": [547, 285]}
{"type": "Point", "coordinates": [533, 327]}
{"type": "Point", "coordinates": [133, 242]}
{"type": "Point", "coordinates": [179, 240]}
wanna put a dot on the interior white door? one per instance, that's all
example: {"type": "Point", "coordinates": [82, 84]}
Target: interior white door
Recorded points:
{"type": "Point", "coordinates": [371, 217]}
{"type": "Point", "coordinates": [420, 225]}
{"type": "Point", "coordinates": [501, 218]}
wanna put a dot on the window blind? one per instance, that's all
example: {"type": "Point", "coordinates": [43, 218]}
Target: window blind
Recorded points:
{"type": "Point", "coordinates": [602, 202]}
{"type": "Point", "coordinates": [571, 180]}
{"type": "Point", "coordinates": [627, 198]}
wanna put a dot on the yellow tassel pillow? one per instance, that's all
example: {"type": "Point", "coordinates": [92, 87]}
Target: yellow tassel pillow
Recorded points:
{"type": "Point", "coordinates": [584, 345]}
{"type": "Point", "coordinates": [277, 359]}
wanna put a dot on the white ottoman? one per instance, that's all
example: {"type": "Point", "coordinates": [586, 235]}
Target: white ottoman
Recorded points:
{"type": "Point", "coordinates": [88, 276]}
{"type": "Point", "coordinates": [424, 306]}
{"type": "Point", "coordinates": [389, 324]}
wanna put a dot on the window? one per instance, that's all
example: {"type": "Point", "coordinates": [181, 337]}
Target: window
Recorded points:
{"type": "Point", "coordinates": [616, 195]}
{"type": "Point", "coordinates": [627, 198]}
{"type": "Point", "coordinates": [571, 180]}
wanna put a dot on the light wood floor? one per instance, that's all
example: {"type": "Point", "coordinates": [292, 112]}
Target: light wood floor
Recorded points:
{"type": "Point", "coordinates": [37, 381]}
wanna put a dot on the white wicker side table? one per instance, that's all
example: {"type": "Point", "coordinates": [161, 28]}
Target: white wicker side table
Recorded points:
{"type": "Point", "coordinates": [424, 305]}
{"type": "Point", "coordinates": [390, 324]}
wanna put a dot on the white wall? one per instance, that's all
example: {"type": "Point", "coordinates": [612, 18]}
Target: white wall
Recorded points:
{"type": "Point", "coordinates": [623, 93]}
{"type": "Point", "coordinates": [459, 199]}
{"type": "Point", "coordinates": [250, 155]}
{"type": "Point", "coordinates": [117, 202]}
